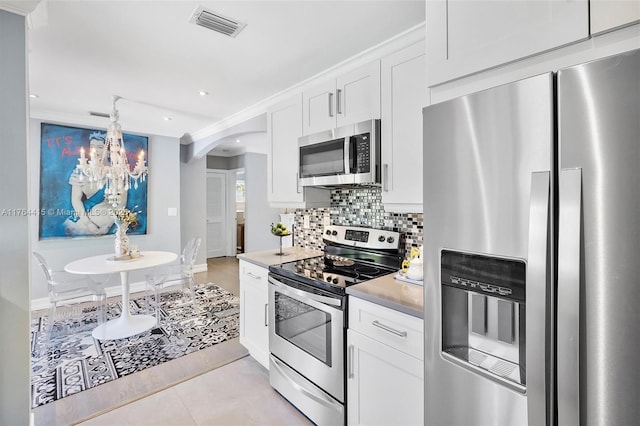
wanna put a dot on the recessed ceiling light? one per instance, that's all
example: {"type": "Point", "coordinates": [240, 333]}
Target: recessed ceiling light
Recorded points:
{"type": "Point", "coordinates": [237, 140]}
{"type": "Point", "coordinates": [203, 93]}
{"type": "Point", "coordinates": [33, 95]}
{"type": "Point", "coordinates": [167, 118]}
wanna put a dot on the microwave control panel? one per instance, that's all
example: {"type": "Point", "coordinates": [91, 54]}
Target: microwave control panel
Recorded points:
{"type": "Point", "coordinates": [362, 153]}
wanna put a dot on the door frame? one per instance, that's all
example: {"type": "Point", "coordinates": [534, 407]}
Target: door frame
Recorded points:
{"type": "Point", "coordinates": [229, 195]}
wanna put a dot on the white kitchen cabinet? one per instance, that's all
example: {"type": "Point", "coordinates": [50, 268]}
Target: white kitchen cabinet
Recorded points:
{"type": "Point", "coordinates": [464, 37]}
{"type": "Point", "coordinates": [254, 314]}
{"type": "Point", "coordinates": [404, 94]}
{"type": "Point", "coordinates": [347, 99]}
{"type": "Point", "coordinates": [284, 127]}
{"type": "Point", "coordinates": [385, 366]}
{"type": "Point", "coordinates": [607, 15]}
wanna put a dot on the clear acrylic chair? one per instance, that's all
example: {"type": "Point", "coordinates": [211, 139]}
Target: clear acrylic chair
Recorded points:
{"type": "Point", "coordinates": [171, 276]}
{"type": "Point", "coordinates": [66, 289]}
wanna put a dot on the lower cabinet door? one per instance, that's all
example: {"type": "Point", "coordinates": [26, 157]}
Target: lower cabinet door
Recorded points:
{"type": "Point", "coordinates": [384, 386]}
{"type": "Point", "coordinates": [254, 329]}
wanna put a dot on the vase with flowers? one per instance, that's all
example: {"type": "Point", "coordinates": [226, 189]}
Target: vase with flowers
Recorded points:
{"type": "Point", "coordinates": [123, 219]}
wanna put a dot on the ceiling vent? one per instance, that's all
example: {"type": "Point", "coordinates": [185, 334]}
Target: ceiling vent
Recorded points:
{"type": "Point", "coordinates": [99, 114]}
{"type": "Point", "coordinates": [216, 22]}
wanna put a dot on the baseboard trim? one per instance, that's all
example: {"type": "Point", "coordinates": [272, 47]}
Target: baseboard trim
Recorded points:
{"type": "Point", "coordinates": [43, 302]}
{"type": "Point", "coordinates": [200, 268]}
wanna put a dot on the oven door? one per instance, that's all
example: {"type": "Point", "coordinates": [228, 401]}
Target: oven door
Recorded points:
{"type": "Point", "coordinates": [306, 331]}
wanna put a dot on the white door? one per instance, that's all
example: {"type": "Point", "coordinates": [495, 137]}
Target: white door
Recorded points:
{"type": "Point", "coordinates": [216, 214]}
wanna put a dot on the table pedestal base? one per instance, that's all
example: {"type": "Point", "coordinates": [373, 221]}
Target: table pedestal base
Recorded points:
{"type": "Point", "coordinates": [124, 326]}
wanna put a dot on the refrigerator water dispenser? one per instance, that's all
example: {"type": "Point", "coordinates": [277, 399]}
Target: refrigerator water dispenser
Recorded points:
{"type": "Point", "coordinates": [483, 315]}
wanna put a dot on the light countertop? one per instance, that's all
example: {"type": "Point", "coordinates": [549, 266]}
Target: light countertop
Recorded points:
{"type": "Point", "coordinates": [270, 257]}
{"type": "Point", "coordinates": [391, 293]}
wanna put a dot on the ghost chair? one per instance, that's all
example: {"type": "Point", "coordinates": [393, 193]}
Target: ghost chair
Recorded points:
{"type": "Point", "coordinates": [168, 277]}
{"type": "Point", "coordinates": [66, 289]}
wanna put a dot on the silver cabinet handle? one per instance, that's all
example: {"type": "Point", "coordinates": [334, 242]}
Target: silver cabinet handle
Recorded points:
{"type": "Point", "coordinates": [330, 104]}
{"type": "Point", "coordinates": [338, 101]}
{"type": "Point", "coordinates": [538, 285]}
{"type": "Point", "coordinates": [350, 368]}
{"type": "Point", "coordinates": [388, 329]}
{"type": "Point", "coordinates": [254, 276]}
{"type": "Point", "coordinates": [385, 177]}
{"type": "Point", "coordinates": [568, 320]}
{"type": "Point", "coordinates": [266, 314]}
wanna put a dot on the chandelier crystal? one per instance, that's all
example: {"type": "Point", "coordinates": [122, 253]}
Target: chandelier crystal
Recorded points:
{"type": "Point", "coordinates": [109, 167]}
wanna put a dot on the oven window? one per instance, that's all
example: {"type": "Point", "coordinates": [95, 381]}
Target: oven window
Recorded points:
{"type": "Point", "coordinates": [304, 326]}
{"type": "Point", "coordinates": [322, 159]}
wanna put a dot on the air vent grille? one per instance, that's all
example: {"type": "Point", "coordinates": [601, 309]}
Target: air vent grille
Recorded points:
{"type": "Point", "coordinates": [216, 22]}
{"type": "Point", "coordinates": [99, 114]}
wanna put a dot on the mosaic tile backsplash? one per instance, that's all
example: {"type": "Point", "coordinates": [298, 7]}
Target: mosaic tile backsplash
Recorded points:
{"type": "Point", "coordinates": [357, 207]}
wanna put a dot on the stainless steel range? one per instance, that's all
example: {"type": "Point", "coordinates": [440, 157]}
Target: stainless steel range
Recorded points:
{"type": "Point", "coordinates": [308, 312]}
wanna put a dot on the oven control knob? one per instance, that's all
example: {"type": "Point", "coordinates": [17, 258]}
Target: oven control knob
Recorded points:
{"type": "Point", "coordinates": [390, 240]}
{"type": "Point", "coordinates": [328, 232]}
{"type": "Point", "coordinates": [381, 238]}
{"type": "Point", "coordinates": [329, 279]}
{"type": "Point", "coordinates": [335, 281]}
{"type": "Point", "coordinates": [334, 233]}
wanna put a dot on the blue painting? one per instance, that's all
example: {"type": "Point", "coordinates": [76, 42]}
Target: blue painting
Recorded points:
{"type": "Point", "coordinates": [72, 206]}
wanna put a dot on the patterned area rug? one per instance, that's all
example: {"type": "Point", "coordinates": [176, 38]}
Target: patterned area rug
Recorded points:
{"type": "Point", "coordinates": [74, 361]}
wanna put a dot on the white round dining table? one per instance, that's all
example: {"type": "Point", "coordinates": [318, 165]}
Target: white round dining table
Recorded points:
{"type": "Point", "coordinates": [126, 324]}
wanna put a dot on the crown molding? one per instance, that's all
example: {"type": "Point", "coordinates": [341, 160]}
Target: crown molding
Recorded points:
{"type": "Point", "coordinates": [406, 38]}
{"type": "Point", "coordinates": [19, 7]}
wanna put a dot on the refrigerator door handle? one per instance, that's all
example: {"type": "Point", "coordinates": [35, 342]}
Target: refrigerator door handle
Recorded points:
{"type": "Point", "coordinates": [538, 283]}
{"type": "Point", "coordinates": [569, 279]}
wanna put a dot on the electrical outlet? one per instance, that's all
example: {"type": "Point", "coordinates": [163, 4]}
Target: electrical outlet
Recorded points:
{"type": "Point", "coordinates": [305, 220]}
{"type": "Point", "coordinates": [326, 221]}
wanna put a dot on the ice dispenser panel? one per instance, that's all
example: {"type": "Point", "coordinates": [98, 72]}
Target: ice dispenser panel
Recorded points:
{"type": "Point", "coordinates": [483, 315]}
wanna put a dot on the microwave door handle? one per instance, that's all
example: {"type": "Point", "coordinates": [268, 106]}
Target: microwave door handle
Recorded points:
{"type": "Point", "coordinates": [347, 156]}
{"type": "Point", "coordinates": [353, 154]}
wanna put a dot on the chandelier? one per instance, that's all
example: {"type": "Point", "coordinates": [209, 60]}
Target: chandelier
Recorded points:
{"type": "Point", "coordinates": [109, 167]}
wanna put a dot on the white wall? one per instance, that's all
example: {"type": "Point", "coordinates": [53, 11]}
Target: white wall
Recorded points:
{"type": "Point", "coordinates": [193, 205]}
{"type": "Point", "coordinates": [163, 231]}
{"type": "Point", "coordinates": [258, 214]}
{"type": "Point", "coordinates": [14, 243]}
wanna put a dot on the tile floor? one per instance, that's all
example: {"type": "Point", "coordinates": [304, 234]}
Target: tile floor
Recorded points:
{"type": "Point", "coordinates": [237, 393]}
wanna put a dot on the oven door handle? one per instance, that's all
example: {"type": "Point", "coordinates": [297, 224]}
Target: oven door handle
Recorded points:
{"type": "Point", "coordinates": [283, 288]}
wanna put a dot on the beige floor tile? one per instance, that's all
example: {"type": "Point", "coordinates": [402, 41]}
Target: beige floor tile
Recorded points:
{"type": "Point", "coordinates": [237, 394]}
{"type": "Point", "coordinates": [163, 408]}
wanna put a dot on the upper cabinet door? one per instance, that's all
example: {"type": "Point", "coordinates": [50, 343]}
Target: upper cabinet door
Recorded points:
{"type": "Point", "coordinates": [358, 95]}
{"type": "Point", "coordinates": [464, 37]}
{"type": "Point", "coordinates": [319, 107]}
{"type": "Point", "coordinates": [404, 94]}
{"type": "Point", "coordinates": [284, 127]}
{"type": "Point", "coordinates": [608, 15]}
{"type": "Point", "coordinates": [348, 99]}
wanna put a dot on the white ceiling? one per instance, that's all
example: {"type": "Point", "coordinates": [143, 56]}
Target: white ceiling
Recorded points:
{"type": "Point", "coordinates": [83, 52]}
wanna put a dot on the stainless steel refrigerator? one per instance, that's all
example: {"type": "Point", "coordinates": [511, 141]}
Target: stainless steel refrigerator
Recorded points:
{"type": "Point", "coordinates": [532, 250]}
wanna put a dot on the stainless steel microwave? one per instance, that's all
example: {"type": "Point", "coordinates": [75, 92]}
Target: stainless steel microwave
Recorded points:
{"type": "Point", "coordinates": [348, 155]}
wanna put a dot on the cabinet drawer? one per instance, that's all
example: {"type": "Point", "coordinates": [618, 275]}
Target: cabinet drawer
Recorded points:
{"type": "Point", "coordinates": [252, 272]}
{"type": "Point", "coordinates": [396, 329]}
